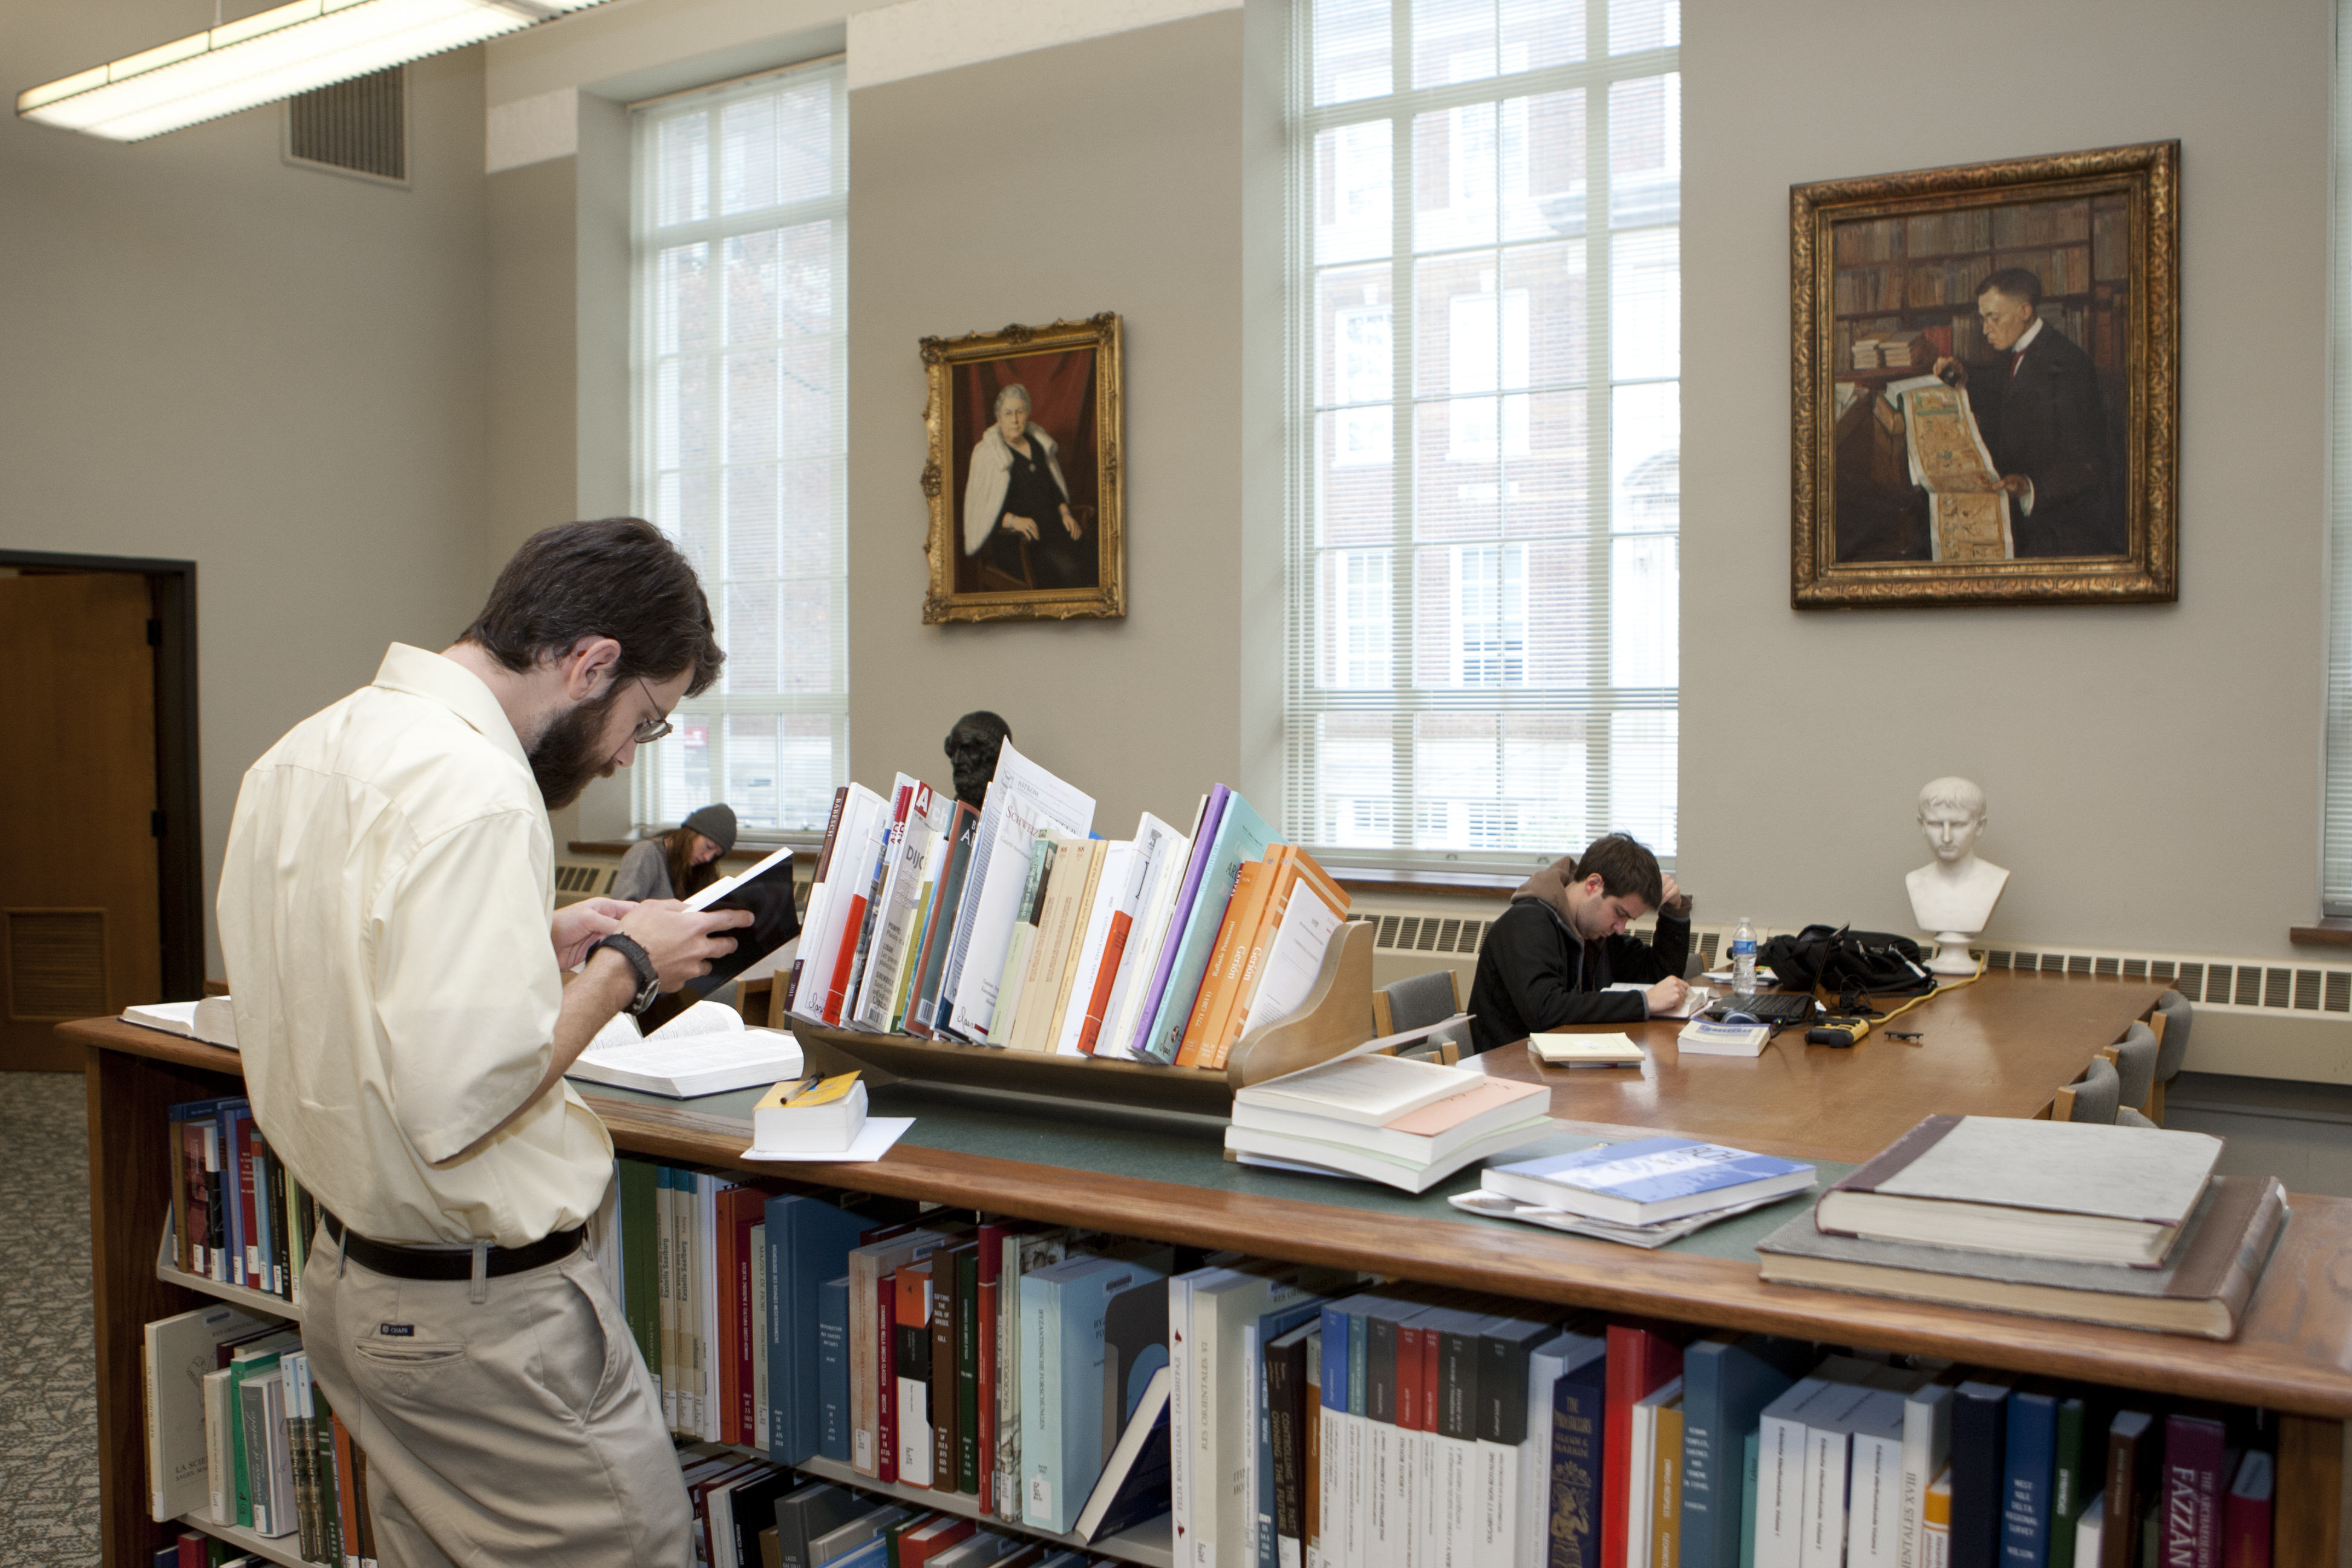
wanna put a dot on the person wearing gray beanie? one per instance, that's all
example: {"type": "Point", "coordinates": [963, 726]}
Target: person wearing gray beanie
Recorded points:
{"type": "Point", "coordinates": [681, 863]}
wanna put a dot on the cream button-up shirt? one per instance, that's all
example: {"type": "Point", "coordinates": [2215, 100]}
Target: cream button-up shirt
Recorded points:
{"type": "Point", "coordinates": [383, 912]}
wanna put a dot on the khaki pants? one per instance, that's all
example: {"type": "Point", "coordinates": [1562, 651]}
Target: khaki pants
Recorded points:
{"type": "Point", "coordinates": [524, 1429]}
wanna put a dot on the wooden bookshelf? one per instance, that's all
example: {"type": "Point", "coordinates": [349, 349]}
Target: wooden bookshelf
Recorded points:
{"type": "Point", "coordinates": [285, 1548]}
{"type": "Point", "coordinates": [2288, 1356]}
{"type": "Point", "coordinates": [1149, 1545]}
{"type": "Point", "coordinates": [252, 1300]}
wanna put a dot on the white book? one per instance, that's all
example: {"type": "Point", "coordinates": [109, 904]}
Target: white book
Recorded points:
{"type": "Point", "coordinates": [886, 962]}
{"type": "Point", "coordinates": [1875, 1483]}
{"type": "Point", "coordinates": [861, 939]}
{"type": "Point", "coordinates": [1360, 1090]}
{"type": "Point", "coordinates": [1022, 799]}
{"type": "Point", "coordinates": [1154, 912]}
{"type": "Point", "coordinates": [1187, 1443]}
{"type": "Point", "coordinates": [1356, 1465]}
{"type": "Point", "coordinates": [1331, 1500]}
{"type": "Point", "coordinates": [1384, 1525]}
{"type": "Point", "coordinates": [2089, 1530]}
{"type": "Point", "coordinates": [1780, 1472]}
{"type": "Point", "coordinates": [1829, 1444]}
{"type": "Point", "coordinates": [1118, 875]}
{"type": "Point", "coordinates": [209, 1019]}
{"type": "Point", "coordinates": [220, 1447]}
{"type": "Point", "coordinates": [706, 1050]}
{"type": "Point", "coordinates": [1223, 1523]}
{"type": "Point", "coordinates": [1926, 1449]}
{"type": "Point", "coordinates": [847, 877]}
{"type": "Point", "coordinates": [1296, 955]}
{"type": "Point", "coordinates": [1545, 1365]}
{"type": "Point", "coordinates": [1641, 1468]}
{"type": "Point", "coordinates": [177, 1353]}
{"type": "Point", "coordinates": [1457, 1464]}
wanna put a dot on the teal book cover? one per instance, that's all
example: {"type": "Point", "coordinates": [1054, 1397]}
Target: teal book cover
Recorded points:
{"type": "Point", "coordinates": [1242, 835]}
{"type": "Point", "coordinates": [1752, 1450]}
{"type": "Point", "coordinates": [1728, 1380]}
{"type": "Point", "coordinates": [1063, 1312]}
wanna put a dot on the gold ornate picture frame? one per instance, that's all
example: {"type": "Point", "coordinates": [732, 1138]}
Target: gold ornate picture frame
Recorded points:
{"type": "Point", "coordinates": [1985, 387]}
{"type": "Point", "coordinates": [1025, 528]}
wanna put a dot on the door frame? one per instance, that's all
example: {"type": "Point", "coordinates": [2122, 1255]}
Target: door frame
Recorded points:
{"type": "Point", "coordinates": [179, 844]}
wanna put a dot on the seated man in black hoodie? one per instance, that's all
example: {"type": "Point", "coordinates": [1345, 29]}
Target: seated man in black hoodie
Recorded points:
{"type": "Point", "coordinates": [1551, 960]}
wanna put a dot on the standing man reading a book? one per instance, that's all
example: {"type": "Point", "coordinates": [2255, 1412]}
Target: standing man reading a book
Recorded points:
{"type": "Point", "coordinates": [386, 906]}
{"type": "Point", "coordinates": [1550, 961]}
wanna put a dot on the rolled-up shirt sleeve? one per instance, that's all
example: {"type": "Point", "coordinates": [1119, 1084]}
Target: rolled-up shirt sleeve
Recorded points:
{"type": "Point", "coordinates": [467, 986]}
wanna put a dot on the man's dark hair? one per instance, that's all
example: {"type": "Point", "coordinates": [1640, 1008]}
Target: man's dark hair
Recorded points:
{"type": "Point", "coordinates": [619, 577]}
{"type": "Point", "coordinates": [2014, 281]}
{"type": "Point", "coordinates": [1626, 869]}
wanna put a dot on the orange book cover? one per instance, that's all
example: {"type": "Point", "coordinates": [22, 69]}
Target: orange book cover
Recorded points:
{"type": "Point", "coordinates": [1300, 865]}
{"type": "Point", "coordinates": [1241, 911]}
{"type": "Point", "coordinates": [1278, 875]}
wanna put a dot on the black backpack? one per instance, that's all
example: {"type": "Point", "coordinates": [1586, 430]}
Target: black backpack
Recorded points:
{"type": "Point", "coordinates": [1834, 958]}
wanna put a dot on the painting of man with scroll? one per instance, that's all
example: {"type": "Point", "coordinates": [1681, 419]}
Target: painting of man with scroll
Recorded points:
{"type": "Point", "coordinates": [1985, 382]}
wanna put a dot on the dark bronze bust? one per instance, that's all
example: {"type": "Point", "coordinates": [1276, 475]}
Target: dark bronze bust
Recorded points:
{"type": "Point", "coordinates": [971, 749]}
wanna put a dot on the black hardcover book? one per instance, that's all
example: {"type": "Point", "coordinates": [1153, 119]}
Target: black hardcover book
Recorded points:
{"type": "Point", "coordinates": [1288, 1412]}
{"type": "Point", "coordinates": [1459, 1333]}
{"type": "Point", "coordinates": [1979, 1436]}
{"type": "Point", "coordinates": [814, 1510]}
{"type": "Point", "coordinates": [753, 1505]}
{"type": "Point", "coordinates": [1503, 1349]}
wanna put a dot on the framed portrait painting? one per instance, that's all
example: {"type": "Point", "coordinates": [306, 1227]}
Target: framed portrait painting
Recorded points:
{"type": "Point", "coordinates": [1024, 478]}
{"type": "Point", "coordinates": [1986, 383]}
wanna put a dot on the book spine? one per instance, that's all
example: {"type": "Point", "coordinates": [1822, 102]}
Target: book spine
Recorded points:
{"type": "Point", "coordinates": [750, 1324]}
{"type": "Point", "coordinates": [945, 1395]}
{"type": "Point", "coordinates": [833, 1371]}
{"type": "Point", "coordinates": [2129, 1438]}
{"type": "Point", "coordinates": [967, 1371]}
{"type": "Point", "coordinates": [2246, 1530]}
{"type": "Point", "coordinates": [988, 1274]}
{"type": "Point", "coordinates": [886, 1380]}
{"type": "Point", "coordinates": [816, 891]}
{"type": "Point", "coordinates": [1578, 1458]}
{"type": "Point", "coordinates": [1977, 1470]}
{"type": "Point", "coordinates": [2067, 1482]}
{"type": "Point", "coordinates": [1188, 893]}
{"type": "Point", "coordinates": [2030, 1463]}
{"type": "Point", "coordinates": [2191, 1496]}
{"type": "Point", "coordinates": [1287, 1417]}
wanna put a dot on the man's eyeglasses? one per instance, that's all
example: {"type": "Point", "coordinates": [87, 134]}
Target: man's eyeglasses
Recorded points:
{"type": "Point", "coordinates": [648, 731]}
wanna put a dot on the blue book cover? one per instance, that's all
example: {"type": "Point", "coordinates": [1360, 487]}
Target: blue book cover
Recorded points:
{"type": "Point", "coordinates": [1576, 1465]}
{"type": "Point", "coordinates": [1979, 1433]}
{"type": "Point", "coordinates": [235, 1120]}
{"type": "Point", "coordinates": [1728, 1380]}
{"type": "Point", "coordinates": [1652, 1170]}
{"type": "Point", "coordinates": [2029, 1465]}
{"type": "Point", "coordinates": [809, 1242]}
{"type": "Point", "coordinates": [1752, 1454]}
{"type": "Point", "coordinates": [1241, 834]}
{"type": "Point", "coordinates": [1335, 1335]}
{"type": "Point", "coordinates": [1063, 1310]}
{"type": "Point", "coordinates": [1271, 1327]}
{"type": "Point", "coordinates": [875, 1553]}
{"type": "Point", "coordinates": [832, 1369]}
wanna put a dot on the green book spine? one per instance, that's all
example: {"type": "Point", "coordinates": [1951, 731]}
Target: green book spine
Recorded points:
{"type": "Point", "coordinates": [330, 1512]}
{"type": "Point", "coordinates": [2067, 1484]}
{"type": "Point", "coordinates": [967, 1370]}
{"type": "Point", "coordinates": [640, 1267]}
{"type": "Point", "coordinates": [238, 1372]}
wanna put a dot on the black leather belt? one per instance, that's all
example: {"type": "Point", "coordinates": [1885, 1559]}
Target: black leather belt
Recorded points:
{"type": "Point", "coordinates": [422, 1263]}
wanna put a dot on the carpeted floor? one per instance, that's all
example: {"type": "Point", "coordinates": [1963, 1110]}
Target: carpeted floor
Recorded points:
{"type": "Point", "coordinates": [48, 1398]}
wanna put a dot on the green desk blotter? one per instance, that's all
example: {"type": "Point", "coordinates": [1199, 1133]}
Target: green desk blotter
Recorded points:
{"type": "Point", "coordinates": [1188, 1151]}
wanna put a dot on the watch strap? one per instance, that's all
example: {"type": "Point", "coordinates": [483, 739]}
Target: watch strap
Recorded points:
{"type": "Point", "coordinates": [641, 963]}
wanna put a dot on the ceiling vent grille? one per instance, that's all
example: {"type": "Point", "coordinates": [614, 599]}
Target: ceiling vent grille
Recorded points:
{"type": "Point", "coordinates": [357, 127]}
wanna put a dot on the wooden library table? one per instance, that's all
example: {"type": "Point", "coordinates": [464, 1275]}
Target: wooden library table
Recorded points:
{"type": "Point", "coordinates": [1162, 1175]}
{"type": "Point", "coordinates": [2000, 1047]}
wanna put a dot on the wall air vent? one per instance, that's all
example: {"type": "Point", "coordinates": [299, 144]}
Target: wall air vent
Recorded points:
{"type": "Point", "coordinates": [358, 127]}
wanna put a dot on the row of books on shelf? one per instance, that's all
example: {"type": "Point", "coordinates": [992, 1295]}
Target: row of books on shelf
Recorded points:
{"type": "Point", "coordinates": [1013, 926]}
{"type": "Point", "coordinates": [239, 1433]}
{"type": "Point", "coordinates": [238, 1215]}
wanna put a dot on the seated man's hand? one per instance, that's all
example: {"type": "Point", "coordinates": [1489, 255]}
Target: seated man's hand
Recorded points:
{"type": "Point", "coordinates": [1672, 900]}
{"type": "Point", "coordinates": [577, 924]}
{"type": "Point", "coordinates": [682, 942]}
{"type": "Point", "coordinates": [1667, 994]}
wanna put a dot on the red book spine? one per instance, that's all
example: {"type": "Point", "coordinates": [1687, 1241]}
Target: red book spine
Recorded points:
{"type": "Point", "coordinates": [1429, 1381]}
{"type": "Point", "coordinates": [1113, 944]}
{"type": "Point", "coordinates": [990, 1269]}
{"type": "Point", "coordinates": [754, 1208]}
{"type": "Point", "coordinates": [1407, 1378]}
{"type": "Point", "coordinates": [886, 1370]}
{"type": "Point", "coordinates": [2246, 1532]}
{"type": "Point", "coordinates": [839, 983]}
{"type": "Point", "coordinates": [192, 1555]}
{"type": "Point", "coordinates": [248, 1262]}
{"type": "Point", "coordinates": [1639, 1362]}
{"type": "Point", "coordinates": [2189, 1498]}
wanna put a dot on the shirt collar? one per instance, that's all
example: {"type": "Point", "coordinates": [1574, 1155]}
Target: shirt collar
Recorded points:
{"type": "Point", "coordinates": [2026, 342]}
{"type": "Point", "coordinates": [456, 688]}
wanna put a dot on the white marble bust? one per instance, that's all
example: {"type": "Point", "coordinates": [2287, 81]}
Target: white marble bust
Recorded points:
{"type": "Point", "coordinates": [1954, 894]}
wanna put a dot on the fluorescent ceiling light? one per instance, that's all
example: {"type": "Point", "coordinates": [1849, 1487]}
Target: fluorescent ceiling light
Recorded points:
{"type": "Point", "coordinates": [272, 55]}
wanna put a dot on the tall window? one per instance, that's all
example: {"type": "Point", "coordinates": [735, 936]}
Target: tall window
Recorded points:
{"type": "Point", "coordinates": [739, 372]}
{"type": "Point", "coordinates": [1482, 549]}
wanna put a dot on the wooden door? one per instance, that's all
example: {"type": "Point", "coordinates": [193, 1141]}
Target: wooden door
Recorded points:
{"type": "Point", "coordinates": [80, 922]}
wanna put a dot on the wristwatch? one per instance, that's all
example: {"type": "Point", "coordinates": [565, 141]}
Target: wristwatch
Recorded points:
{"type": "Point", "coordinates": [649, 980]}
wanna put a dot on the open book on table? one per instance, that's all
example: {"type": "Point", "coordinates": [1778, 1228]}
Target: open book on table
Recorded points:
{"type": "Point", "coordinates": [706, 1049]}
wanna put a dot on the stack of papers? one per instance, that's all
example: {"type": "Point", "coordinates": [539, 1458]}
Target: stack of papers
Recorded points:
{"type": "Point", "coordinates": [1648, 1192]}
{"type": "Point", "coordinates": [1407, 1125]}
{"type": "Point", "coordinates": [1561, 1050]}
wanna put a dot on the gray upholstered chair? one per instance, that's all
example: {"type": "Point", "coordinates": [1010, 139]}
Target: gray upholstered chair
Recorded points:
{"type": "Point", "coordinates": [2090, 1098]}
{"type": "Point", "coordinates": [2172, 1044]}
{"type": "Point", "coordinates": [2135, 1058]}
{"type": "Point", "coordinates": [1416, 1001]}
{"type": "Point", "coordinates": [2126, 1117]}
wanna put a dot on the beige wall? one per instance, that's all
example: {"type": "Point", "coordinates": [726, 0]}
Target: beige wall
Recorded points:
{"type": "Point", "coordinates": [207, 354]}
{"type": "Point", "coordinates": [2153, 771]}
{"type": "Point", "coordinates": [1103, 175]}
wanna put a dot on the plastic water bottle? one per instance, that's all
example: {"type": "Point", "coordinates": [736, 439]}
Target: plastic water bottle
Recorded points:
{"type": "Point", "coordinates": [1743, 958]}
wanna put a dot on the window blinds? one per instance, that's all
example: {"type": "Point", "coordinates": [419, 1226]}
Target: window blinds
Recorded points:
{"type": "Point", "coordinates": [1481, 551]}
{"type": "Point", "coordinates": [739, 372]}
